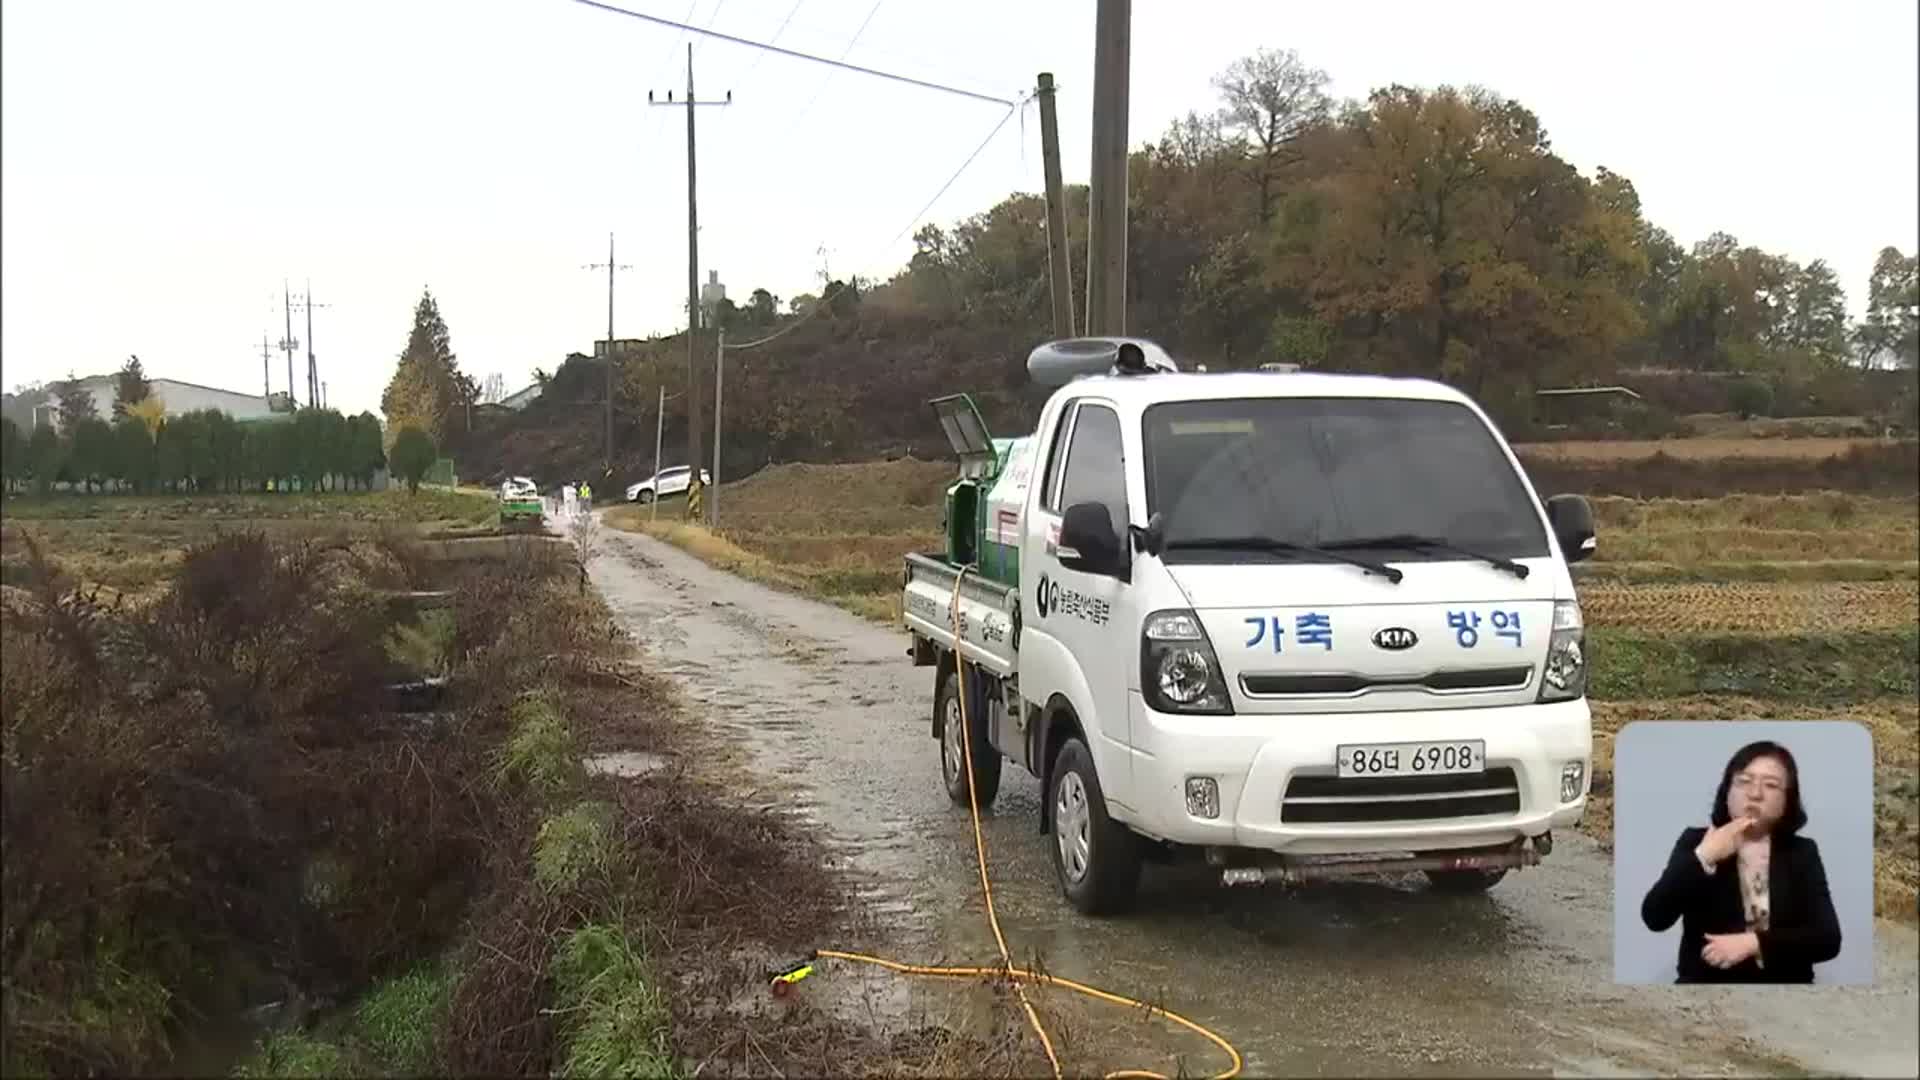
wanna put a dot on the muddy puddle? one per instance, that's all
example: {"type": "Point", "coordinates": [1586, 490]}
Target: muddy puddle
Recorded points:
{"type": "Point", "coordinates": [1369, 977]}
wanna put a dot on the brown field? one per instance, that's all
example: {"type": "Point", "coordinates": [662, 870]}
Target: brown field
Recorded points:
{"type": "Point", "coordinates": [130, 545]}
{"type": "Point", "coordinates": [1753, 606]}
{"type": "Point", "coordinates": [1718, 449]}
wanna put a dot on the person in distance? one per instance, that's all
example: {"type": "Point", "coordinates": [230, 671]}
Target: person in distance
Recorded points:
{"type": "Point", "coordinates": [1750, 893]}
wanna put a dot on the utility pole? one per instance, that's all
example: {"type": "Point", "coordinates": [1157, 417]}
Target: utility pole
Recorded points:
{"type": "Point", "coordinates": [313, 369]}
{"type": "Point", "coordinates": [609, 266]}
{"type": "Point", "coordinates": [266, 372]}
{"type": "Point", "coordinates": [719, 380]}
{"type": "Point", "coordinates": [659, 429]}
{"type": "Point", "coordinates": [1059, 269]}
{"type": "Point", "coordinates": [1107, 212]}
{"type": "Point", "coordinates": [693, 289]}
{"type": "Point", "coordinates": [288, 343]}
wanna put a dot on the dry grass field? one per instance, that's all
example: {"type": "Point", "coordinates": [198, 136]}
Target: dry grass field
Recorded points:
{"type": "Point", "coordinates": [1715, 449]}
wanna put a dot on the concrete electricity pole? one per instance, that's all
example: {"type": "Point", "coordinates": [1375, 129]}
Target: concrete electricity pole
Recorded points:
{"type": "Point", "coordinates": [609, 266]}
{"type": "Point", "coordinates": [266, 372]}
{"type": "Point", "coordinates": [693, 289]}
{"type": "Point", "coordinates": [288, 343]}
{"type": "Point", "coordinates": [313, 369]}
{"type": "Point", "coordinates": [1059, 269]}
{"type": "Point", "coordinates": [1107, 212]}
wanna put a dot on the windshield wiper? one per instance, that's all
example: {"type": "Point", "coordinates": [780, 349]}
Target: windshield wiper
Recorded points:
{"type": "Point", "coordinates": [1262, 543]}
{"type": "Point", "coordinates": [1411, 540]}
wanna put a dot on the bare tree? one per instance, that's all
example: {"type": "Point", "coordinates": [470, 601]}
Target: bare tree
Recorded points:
{"type": "Point", "coordinates": [493, 389]}
{"type": "Point", "coordinates": [1272, 100]}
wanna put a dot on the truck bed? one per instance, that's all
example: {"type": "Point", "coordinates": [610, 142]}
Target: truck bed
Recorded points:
{"type": "Point", "coordinates": [986, 612]}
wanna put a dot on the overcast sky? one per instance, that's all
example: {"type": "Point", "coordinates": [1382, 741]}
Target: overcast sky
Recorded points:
{"type": "Point", "coordinates": [164, 165]}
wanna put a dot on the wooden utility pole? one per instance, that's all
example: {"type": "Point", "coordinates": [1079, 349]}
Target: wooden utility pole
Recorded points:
{"type": "Point", "coordinates": [1107, 212]}
{"type": "Point", "coordinates": [1059, 269]}
{"type": "Point", "coordinates": [609, 266]}
{"type": "Point", "coordinates": [693, 289]}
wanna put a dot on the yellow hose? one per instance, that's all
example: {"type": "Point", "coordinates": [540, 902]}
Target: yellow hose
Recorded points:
{"type": "Point", "coordinates": [1021, 976]}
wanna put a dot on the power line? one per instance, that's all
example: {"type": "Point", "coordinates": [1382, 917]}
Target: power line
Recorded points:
{"type": "Point", "coordinates": [762, 58]}
{"type": "Point", "coordinates": [794, 123]}
{"type": "Point", "coordinates": [907, 79]}
{"type": "Point", "coordinates": [831, 292]}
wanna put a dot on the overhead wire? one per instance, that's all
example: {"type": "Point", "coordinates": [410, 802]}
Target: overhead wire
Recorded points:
{"type": "Point", "coordinates": [909, 80]}
{"type": "Point", "coordinates": [833, 291]}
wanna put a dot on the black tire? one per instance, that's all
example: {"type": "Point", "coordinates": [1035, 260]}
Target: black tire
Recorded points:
{"type": "Point", "coordinates": [1464, 881]}
{"type": "Point", "coordinates": [643, 498]}
{"type": "Point", "coordinates": [986, 760]}
{"type": "Point", "coordinates": [1108, 852]}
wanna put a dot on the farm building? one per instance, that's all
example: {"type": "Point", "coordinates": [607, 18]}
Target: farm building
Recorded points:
{"type": "Point", "coordinates": [178, 397]}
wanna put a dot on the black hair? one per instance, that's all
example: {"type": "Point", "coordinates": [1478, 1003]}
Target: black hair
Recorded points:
{"type": "Point", "coordinates": [1795, 816]}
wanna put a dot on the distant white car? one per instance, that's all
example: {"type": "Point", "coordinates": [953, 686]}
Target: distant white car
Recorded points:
{"type": "Point", "coordinates": [666, 482]}
{"type": "Point", "coordinates": [519, 487]}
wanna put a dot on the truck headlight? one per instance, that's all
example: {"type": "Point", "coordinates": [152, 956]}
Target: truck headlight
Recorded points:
{"type": "Point", "coordinates": [1178, 669]}
{"type": "Point", "coordinates": [1564, 677]}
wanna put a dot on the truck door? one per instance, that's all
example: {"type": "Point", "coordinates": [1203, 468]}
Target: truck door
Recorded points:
{"type": "Point", "coordinates": [1073, 617]}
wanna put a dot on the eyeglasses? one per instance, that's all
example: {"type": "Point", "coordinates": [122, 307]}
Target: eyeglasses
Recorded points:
{"type": "Point", "coordinates": [1770, 784]}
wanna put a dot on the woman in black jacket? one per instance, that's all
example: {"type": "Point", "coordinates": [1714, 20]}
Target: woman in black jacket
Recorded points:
{"type": "Point", "coordinates": [1750, 893]}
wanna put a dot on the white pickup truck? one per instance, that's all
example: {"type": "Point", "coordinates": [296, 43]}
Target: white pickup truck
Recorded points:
{"type": "Point", "coordinates": [1300, 625]}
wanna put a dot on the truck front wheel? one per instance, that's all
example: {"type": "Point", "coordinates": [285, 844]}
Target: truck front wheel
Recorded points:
{"type": "Point", "coordinates": [986, 760]}
{"type": "Point", "coordinates": [1094, 856]}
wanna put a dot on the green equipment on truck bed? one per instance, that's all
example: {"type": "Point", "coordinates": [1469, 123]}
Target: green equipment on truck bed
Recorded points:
{"type": "Point", "coordinates": [981, 528]}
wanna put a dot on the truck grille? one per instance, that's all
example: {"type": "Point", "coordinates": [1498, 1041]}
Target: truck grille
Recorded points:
{"type": "Point", "coordinates": [1322, 800]}
{"type": "Point", "coordinates": [1440, 682]}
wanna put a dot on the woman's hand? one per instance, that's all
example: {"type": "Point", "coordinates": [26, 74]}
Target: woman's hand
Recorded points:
{"type": "Point", "coordinates": [1724, 840]}
{"type": "Point", "coordinates": [1730, 950]}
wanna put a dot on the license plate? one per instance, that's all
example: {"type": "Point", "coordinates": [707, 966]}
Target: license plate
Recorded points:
{"type": "Point", "coordinates": [1413, 758]}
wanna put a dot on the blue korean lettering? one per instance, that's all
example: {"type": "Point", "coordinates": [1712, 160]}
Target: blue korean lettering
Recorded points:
{"type": "Point", "coordinates": [1507, 625]}
{"type": "Point", "coordinates": [1465, 626]}
{"type": "Point", "coordinates": [1314, 629]}
{"type": "Point", "coordinates": [1259, 625]}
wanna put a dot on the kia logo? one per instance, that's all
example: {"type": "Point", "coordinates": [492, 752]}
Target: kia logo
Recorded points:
{"type": "Point", "coordinates": [1395, 638]}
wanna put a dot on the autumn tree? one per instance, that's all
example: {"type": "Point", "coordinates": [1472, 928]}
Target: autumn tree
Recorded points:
{"type": "Point", "coordinates": [1446, 239]}
{"type": "Point", "coordinates": [1271, 101]}
{"type": "Point", "coordinates": [1890, 333]}
{"type": "Point", "coordinates": [427, 386]}
{"type": "Point", "coordinates": [130, 386]}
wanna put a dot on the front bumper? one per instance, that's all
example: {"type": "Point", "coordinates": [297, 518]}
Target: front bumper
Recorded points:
{"type": "Point", "coordinates": [1277, 792]}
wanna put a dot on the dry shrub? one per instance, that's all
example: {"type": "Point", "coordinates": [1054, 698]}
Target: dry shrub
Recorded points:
{"type": "Point", "coordinates": [178, 781]}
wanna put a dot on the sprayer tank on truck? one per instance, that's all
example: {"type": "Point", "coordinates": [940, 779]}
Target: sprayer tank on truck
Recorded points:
{"type": "Point", "coordinates": [1300, 625]}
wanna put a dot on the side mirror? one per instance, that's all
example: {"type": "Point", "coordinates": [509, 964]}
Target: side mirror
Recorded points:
{"type": "Point", "coordinates": [1088, 542]}
{"type": "Point", "coordinates": [1572, 520]}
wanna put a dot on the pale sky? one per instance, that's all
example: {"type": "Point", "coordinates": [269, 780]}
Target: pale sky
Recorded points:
{"type": "Point", "coordinates": [164, 165]}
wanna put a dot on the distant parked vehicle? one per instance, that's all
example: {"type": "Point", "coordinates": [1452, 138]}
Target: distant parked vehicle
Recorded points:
{"type": "Point", "coordinates": [666, 482]}
{"type": "Point", "coordinates": [520, 501]}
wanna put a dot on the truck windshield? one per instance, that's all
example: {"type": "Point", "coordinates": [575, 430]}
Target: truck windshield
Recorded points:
{"type": "Point", "coordinates": [1328, 471]}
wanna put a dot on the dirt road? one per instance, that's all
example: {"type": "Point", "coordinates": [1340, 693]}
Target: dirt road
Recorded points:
{"type": "Point", "coordinates": [1375, 978]}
